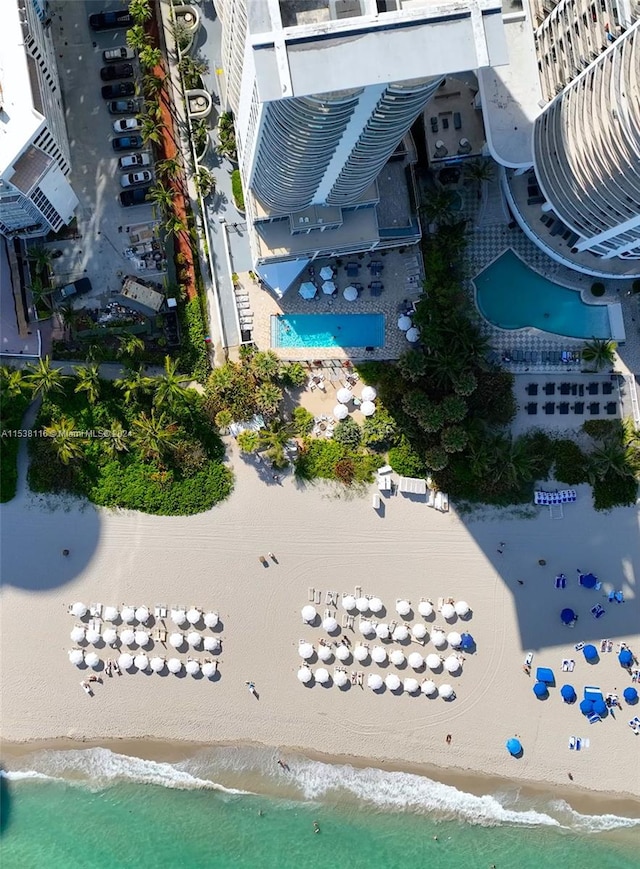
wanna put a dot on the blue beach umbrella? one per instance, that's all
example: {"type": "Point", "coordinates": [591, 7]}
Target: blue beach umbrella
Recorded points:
{"type": "Point", "coordinates": [600, 708]}
{"type": "Point", "coordinates": [586, 707]}
{"type": "Point", "coordinates": [630, 695]}
{"type": "Point", "coordinates": [514, 746]}
{"type": "Point", "coordinates": [587, 580]}
{"type": "Point", "coordinates": [568, 693]}
{"type": "Point", "coordinates": [467, 642]}
{"type": "Point", "coordinates": [567, 616]}
{"type": "Point", "coordinates": [625, 657]}
{"type": "Point", "coordinates": [540, 690]}
{"type": "Point", "coordinates": [590, 653]}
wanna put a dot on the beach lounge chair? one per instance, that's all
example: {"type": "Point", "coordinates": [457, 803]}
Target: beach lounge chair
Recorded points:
{"type": "Point", "coordinates": [96, 609]}
{"type": "Point", "coordinates": [597, 611]}
{"type": "Point", "coordinates": [593, 718]}
{"type": "Point", "coordinates": [528, 660]}
{"type": "Point", "coordinates": [160, 611]}
{"type": "Point", "coordinates": [311, 594]}
{"type": "Point", "coordinates": [572, 742]}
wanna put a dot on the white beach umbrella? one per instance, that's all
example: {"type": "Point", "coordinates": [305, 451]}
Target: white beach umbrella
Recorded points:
{"type": "Point", "coordinates": [325, 653]}
{"type": "Point", "coordinates": [211, 619]}
{"type": "Point", "coordinates": [76, 656]}
{"type": "Point", "coordinates": [209, 669]}
{"type": "Point", "coordinates": [174, 665]}
{"type": "Point", "coordinates": [305, 650]}
{"type": "Point", "coordinates": [322, 675]}
{"type": "Point", "coordinates": [416, 661]}
{"type": "Point", "coordinates": [142, 638]}
{"type": "Point", "coordinates": [397, 658]}
{"type": "Point", "coordinates": [128, 615]}
{"type": "Point", "coordinates": [379, 654]}
{"type": "Point", "coordinates": [448, 611]}
{"type": "Point", "coordinates": [125, 661]}
{"type": "Point", "coordinates": [304, 675]}
{"type": "Point", "coordinates": [425, 608]}
{"type": "Point", "coordinates": [110, 636]}
{"type": "Point", "coordinates": [362, 604]}
{"type": "Point", "coordinates": [193, 616]}
{"type": "Point", "coordinates": [404, 323]}
{"type": "Point", "coordinates": [93, 636]}
{"type": "Point", "coordinates": [374, 681]}
{"type": "Point", "coordinates": [382, 631]}
{"type": "Point", "coordinates": [454, 639]}
{"type": "Point", "coordinates": [369, 393]}
{"type": "Point", "coordinates": [340, 678]}
{"type": "Point", "coordinates": [141, 662]}
{"type": "Point", "coordinates": [111, 613]}
{"type": "Point", "coordinates": [401, 634]}
{"type": "Point", "coordinates": [419, 631]}
{"type": "Point", "coordinates": [366, 628]}
{"type": "Point", "coordinates": [176, 640]}
{"type": "Point", "coordinates": [403, 607]}
{"type": "Point", "coordinates": [326, 273]}
{"type": "Point", "coordinates": [192, 667]}
{"type": "Point", "coordinates": [79, 610]}
{"type": "Point", "coordinates": [350, 294]}
{"type": "Point", "coordinates": [328, 287]}
{"type": "Point", "coordinates": [375, 605]}
{"type": "Point", "coordinates": [178, 617]}
{"type": "Point", "coordinates": [308, 613]}
{"type": "Point", "coordinates": [77, 633]}
{"type": "Point", "coordinates": [340, 411]}
{"type": "Point", "coordinates": [412, 335]}
{"type": "Point", "coordinates": [348, 602]}
{"type": "Point", "coordinates": [92, 660]}
{"type": "Point", "coordinates": [344, 395]}
{"type": "Point", "coordinates": [445, 691]}
{"type": "Point", "coordinates": [434, 662]}
{"type": "Point", "coordinates": [330, 624]}
{"type": "Point", "coordinates": [142, 614]}
{"type": "Point", "coordinates": [367, 408]}
{"type": "Point", "coordinates": [342, 652]}
{"type": "Point", "coordinates": [194, 639]}
{"type": "Point", "coordinates": [157, 664]}
{"type": "Point", "coordinates": [211, 644]}
{"type": "Point", "coordinates": [439, 639]}
{"type": "Point", "coordinates": [451, 664]}
{"type": "Point", "coordinates": [411, 686]}
{"type": "Point", "coordinates": [128, 636]}
{"type": "Point", "coordinates": [462, 608]}
{"type": "Point", "coordinates": [392, 682]}
{"type": "Point", "coordinates": [428, 687]}
{"type": "Point", "coordinates": [360, 653]}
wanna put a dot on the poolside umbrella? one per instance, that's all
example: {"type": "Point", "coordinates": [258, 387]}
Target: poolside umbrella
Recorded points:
{"type": "Point", "coordinates": [322, 676]}
{"type": "Point", "coordinates": [360, 653]}
{"type": "Point", "coordinates": [411, 686]}
{"type": "Point", "coordinates": [382, 631]}
{"type": "Point", "coordinates": [305, 650]}
{"type": "Point", "coordinates": [403, 607]}
{"type": "Point", "coordinates": [110, 636]}
{"type": "Point", "coordinates": [211, 619]}
{"type": "Point", "coordinates": [76, 656]}
{"type": "Point", "coordinates": [125, 661]}
{"type": "Point", "coordinates": [362, 604]}
{"type": "Point", "coordinates": [366, 628]}
{"type": "Point", "coordinates": [590, 653]}
{"type": "Point", "coordinates": [625, 657]}
{"type": "Point", "coordinates": [404, 323]}
{"type": "Point", "coordinates": [428, 687]}
{"type": "Point", "coordinates": [439, 639]}
{"type": "Point", "coordinates": [211, 644]}
{"type": "Point", "coordinates": [397, 658]}
{"type": "Point", "coordinates": [568, 694]}
{"type": "Point", "coordinates": [142, 638]}
{"type": "Point", "coordinates": [111, 613]}
{"type": "Point", "coordinates": [630, 695]}
{"type": "Point", "coordinates": [209, 669]}
{"type": "Point", "coordinates": [367, 408]}
{"type": "Point", "coordinates": [340, 678]}
{"type": "Point", "coordinates": [342, 652]}
{"type": "Point", "coordinates": [462, 608]}
{"type": "Point", "coordinates": [128, 615]}
{"type": "Point", "coordinates": [451, 664]}
{"type": "Point", "coordinates": [514, 746]}
{"type": "Point", "coordinates": [93, 636]}
{"type": "Point", "coordinates": [141, 662]}
{"type": "Point", "coordinates": [330, 624]}
{"type": "Point", "coordinates": [174, 665]}
{"type": "Point", "coordinates": [348, 602]}
{"type": "Point", "coordinates": [454, 639]}
{"type": "Point", "coordinates": [157, 664]}
{"type": "Point", "coordinates": [448, 611]}
{"type": "Point", "coordinates": [77, 633]}
{"type": "Point", "coordinates": [379, 654]}
{"type": "Point", "coordinates": [176, 640]}
{"type": "Point", "coordinates": [416, 661]}
{"type": "Point", "coordinates": [425, 608]}
{"type": "Point", "coordinates": [340, 412]}
{"type": "Point", "coordinates": [350, 294]}
{"type": "Point", "coordinates": [586, 707]}
{"type": "Point", "coordinates": [446, 691]}
{"type": "Point", "coordinates": [392, 682]}
{"type": "Point", "coordinates": [307, 290]}
{"type": "Point", "coordinates": [78, 610]}
{"type": "Point", "coordinates": [369, 393]}
{"type": "Point", "coordinates": [142, 614]}
{"type": "Point", "coordinates": [434, 662]}
{"type": "Point", "coordinates": [540, 690]}
{"type": "Point", "coordinates": [401, 634]}
{"type": "Point", "coordinates": [326, 273]}
{"type": "Point", "coordinates": [419, 631]}
{"type": "Point", "coordinates": [193, 616]}
{"type": "Point", "coordinates": [600, 708]}
{"type": "Point", "coordinates": [375, 605]}
{"type": "Point", "coordinates": [128, 636]}
{"type": "Point", "coordinates": [194, 639]}
{"type": "Point", "coordinates": [325, 653]}
{"type": "Point", "coordinates": [374, 681]}
{"type": "Point", "coordinates": [588, 580]}
{"type": "Point", "coordinates": [192, 667]}
{"type": "Point", "coordinates": [467, 642]}
{"type": "Point", "coordinates": [344, 395]}
{"type": "Point", "coordinates": [304, 675]}
{"type": "Point", "coordinates": [328, 287]}
{"type": "Point", "coordinates": [308, 613]}
{"type": "Point", "coordinates": [178, 617]}
{"type": "Point", "coordinates": [567, 616]}
{"type": "Point", "coordinates": [412, 335]}
{"type": "Point", "coordinates": [92, 660]}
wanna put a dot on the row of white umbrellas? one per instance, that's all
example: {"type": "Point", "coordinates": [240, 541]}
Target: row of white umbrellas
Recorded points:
{"type": "Point", "coordinates": [193, 638]}
{"type": "Point", "coordinates": [141, 614]}
{"type": "Point", "coordinates": [405, 325]}
{"type": "Point", "coordinates": [365, 604]}
{"type": "Point", "coordinates": [129, 637]}
{"type": "Point", "coordinates": [143, 662]}
{"type": "Point", "coordinates": [376, 682]}
{"type": "Point", "coordinates": [379, 655]}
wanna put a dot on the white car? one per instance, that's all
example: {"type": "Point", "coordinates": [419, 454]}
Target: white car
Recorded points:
{"type": "Point", "coordinates": [122, 52]}
{"type": "Point", "coordinates": [132, 160]}
{"type": "Point", "coordinates": [132, 178]}
{"type": "Point", "coordinates": [127, 125]}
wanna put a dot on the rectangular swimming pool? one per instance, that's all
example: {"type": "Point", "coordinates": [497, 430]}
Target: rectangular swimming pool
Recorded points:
{"type": "Point", "coordinates": [327, 330]}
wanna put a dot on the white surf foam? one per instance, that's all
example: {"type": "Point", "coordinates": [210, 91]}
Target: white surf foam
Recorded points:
{"type": "Point", "coordinates": [23, 774]}
{"type": "Point", "coordinates": [593, 823]}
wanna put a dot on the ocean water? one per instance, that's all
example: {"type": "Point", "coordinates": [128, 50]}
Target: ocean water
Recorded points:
{"type": "Point", "coordinates": [234, 807]}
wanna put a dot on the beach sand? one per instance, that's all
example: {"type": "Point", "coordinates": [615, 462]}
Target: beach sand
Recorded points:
{"type": "Point", "coordinates": [326, 538]}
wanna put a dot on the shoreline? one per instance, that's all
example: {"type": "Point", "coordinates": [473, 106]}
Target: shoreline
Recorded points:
{"type": "Point", "coordinates": [477, 783]}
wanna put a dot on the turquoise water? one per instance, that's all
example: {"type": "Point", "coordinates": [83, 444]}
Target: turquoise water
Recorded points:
{"type": "Point", "coordinates": [104, 811]}
{"type": "Point", "coordinates": [512, 296]}
{"type": "Point", "coordinates": [327, 330]}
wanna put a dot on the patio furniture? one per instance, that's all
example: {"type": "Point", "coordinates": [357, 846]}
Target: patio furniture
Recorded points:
{"type": "Point", "coordinates": [563, 407]}
{"type": "Point", "coordinates": [549, 388]}
{"type": "Point", "coordinates": [565, 389]}
{"type": "Point", "coordinates": [607, 388]}
{"type": "Point", "coordinates": [532, 389]}
{"type": "Point", "coordinates": [611, 408]}
{"type": "Point", "coordinates": [593, 388]}
{"type": "Point", "coordinates": [594, 408]}
{"type": "Point", "coordinates": [578, 408]}
{"type": "Point", "coordinates": [549, 407]}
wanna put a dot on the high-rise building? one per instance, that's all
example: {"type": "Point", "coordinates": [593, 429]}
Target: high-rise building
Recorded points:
{"type": "Point", "coordinates": [35, 194]}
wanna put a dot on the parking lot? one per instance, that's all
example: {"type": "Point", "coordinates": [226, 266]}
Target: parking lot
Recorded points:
{"type": "Point", "coordinates": [105, 228]}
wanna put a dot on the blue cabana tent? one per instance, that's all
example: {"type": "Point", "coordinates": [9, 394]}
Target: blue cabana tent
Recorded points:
{"type": "Point", "coordinates": [567, 616]}
{"type": "Point", "coordinates": [625, 657]}
{"type": "Point", "coordinates": [540, 690]}
{"type": "Point", "coordinates": [586, 707]}
{"type": "Point", "coordinates": [630, 695]}
{"type": "Point", "coordinates": [545, 674]}
{"type": "Point", "coordinates": [568, 693]}
{"type": "Point", "coordinates": [514, 746]}
{"type": "Point", "coordinates": [467, 642]}
{"type": "Point", "coordinates": [588, 580]}
{"type": "Point", "coordinates": [600, 708]}
{"type": "Point", "coordinates": [590, 653]}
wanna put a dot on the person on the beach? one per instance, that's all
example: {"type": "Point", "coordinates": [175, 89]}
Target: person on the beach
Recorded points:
{"type": "Point", "coordinates": [520, 582]}
{"type": "Point", "coordinates": [65, 552]}
{"type": "Point", "coordinates": [448, 739]}
{"type": "Point", "coordinates": [316, 827]}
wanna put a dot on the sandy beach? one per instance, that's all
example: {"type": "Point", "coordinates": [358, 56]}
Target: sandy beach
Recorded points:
{"type": "Point", "coordinates": [327, 539]}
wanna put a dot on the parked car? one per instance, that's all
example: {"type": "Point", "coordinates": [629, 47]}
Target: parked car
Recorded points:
{"type": "Point", "coordinates": [126, 143]}
{"type": "Point", "coordinates": [132, 160]}
{"type": "Point", "coordinates": [121, 89]}
{"type": "Point", "coordinates": [136, 196]}
{"type": "Point", "coordinates": [116, 70]}
{"type": "Point", "coordinates": [76, 288]}
{"type": "Point", "coordinates": [122, 52]}
{"type": "Point", "coordinates": [122, 107]}
{"type": "Point", "coordinates": [111, 20]}
{"type": "Point", "coordinates": [127, 125]}
{"type": "Point", "coordinates": [129, 179]}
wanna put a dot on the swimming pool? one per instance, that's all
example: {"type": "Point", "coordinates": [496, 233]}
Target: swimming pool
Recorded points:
{"type": "Point", "coordinates": [512, 296]}
{"type": "Point", "coordinates": [327, 330]}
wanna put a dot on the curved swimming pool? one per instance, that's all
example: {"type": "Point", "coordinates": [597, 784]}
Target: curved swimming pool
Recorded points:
{"type": "Point", "coordinates": [510, 295]}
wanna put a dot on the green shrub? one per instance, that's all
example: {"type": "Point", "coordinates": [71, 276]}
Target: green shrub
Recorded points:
{"type": "Point", "coordinates": [635, 287]}
{"type": "Point", "coordinates": [193, 356]}
{"type": "Point", "coordinates": [348, 433]}
{"type": "Point", "coordinates": [405, 461]}
{"type": "Point", "coordinates": [602, 429]}
{"type": "Point", "coordinates": [319, 458]}
{"type": "Point", "coordinates": [436, 458]}
{"type": "Point", "coordinates": [570, 463]}
{"type": "Point", "coordinates": [12, 410]}
{"type": "Point", "coordinates": [293, 374]}
{"type": "Point", "coordinates": [303, 421]}
{"type": "Point", "coordinates": [597, 288]}
{"type": "Point", "coordinates": [248, 440]}
{"type": "Point", "coordinates": [380, 432]}
{"type": "Point", "coordinates": [236, 189]}
{"type": "Point", "coordinates": [614, 491]}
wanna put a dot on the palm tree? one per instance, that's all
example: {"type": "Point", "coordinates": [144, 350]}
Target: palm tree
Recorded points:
{"type": "Point", "coordinates": [40, 256]}
{"type": "Point", "coordinates": [274, 439]}
{"type": "Point", "coordinates": [152, 84]}
{"type": "Point", "coordinates": [140, 10]}
{"type": "Point", "coordinates": [69, 316]}
{"type": "Point", "coordinates": [265, 365]}
{"type": "Point", "coordinates": [268, 397]}
{"type": "Point", "coordinates": [413, 365]}
{"type": "Point", "coordinates": [41, 293]}
{"type": "Point", "coordinates": [44, 379]}
{"type": "Point", "coordinates": [439, 206]}
{"type": "Point", "coordinates": [223, 419]}
{"type": "Point", "coordinates": [12, 380]}
{"type": "Point", "coordinates": [153, 435]}
{"type": "Point", "coordinates": [169, 168]}
{"type": "Point", "coordinates": [88, 382]}
{"type": "Point", "coordinates": [479, 170]}
{"type": "Point", "coordinates": [65, 442]}
{"type": "Point", "coordinates": [137, 37]}
{"type": "Point", "coordinates": [614, 457]}
{"type": "Point", "coordinates": [192, 70]}
{"type": "Point", "coordinates": [129, 346]}
{"type": "Point", "coordinates": [249, 440]}
{"type": "Point", "coordinates": [150, 57]}
{"type": "Point", "coordinates": [600, 352]}
{"type": "Point", "coordinates": [169, 389]}
{"type": "Point", "coordinates": [205, 182]}
{"type": "Point", "coordinates": [151, 130]}
{"type": "Point", "coordinates": [227, 146]}
{"type": "Point", "coordinates": [161, 196]}
{"type": "Point", "coordinates": [152, 109]}
{"type": "Point", "coordinates": [175, 225]}
{"type": "Point", "coordinates": [117, 440]}
{"type": "Point", "coordinates": [136, 384]}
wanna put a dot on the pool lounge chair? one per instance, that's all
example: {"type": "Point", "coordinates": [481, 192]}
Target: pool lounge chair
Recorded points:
{"type": "Point", "coordinates": [593, 718]}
